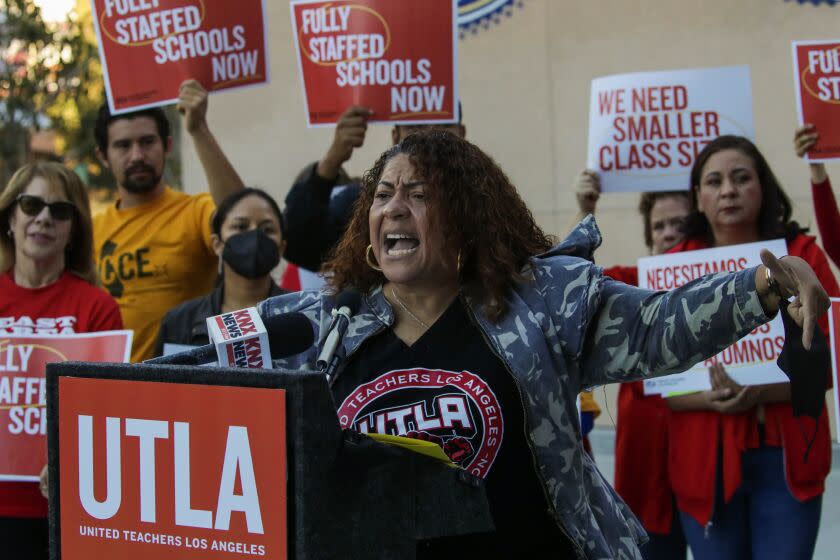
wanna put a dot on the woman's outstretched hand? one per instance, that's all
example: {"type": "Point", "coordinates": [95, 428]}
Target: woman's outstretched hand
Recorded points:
{"type": "Point", "coordinates": [794, 278]}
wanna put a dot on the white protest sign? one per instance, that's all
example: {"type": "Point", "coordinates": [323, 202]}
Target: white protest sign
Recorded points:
{"type": "Point", "coordinates": [646, 128]}
{"type": "Point", "coordinates": [751, 360]}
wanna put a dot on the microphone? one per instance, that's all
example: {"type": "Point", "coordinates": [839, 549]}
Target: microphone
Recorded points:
{"type": "Point", "coordinates": [286, 335]}
{"type": "Point", "coordinates": [347, 303]}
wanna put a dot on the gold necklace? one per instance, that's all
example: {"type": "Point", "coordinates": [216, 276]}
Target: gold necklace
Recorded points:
{"type": "Point", "coordinates": [407, 310]}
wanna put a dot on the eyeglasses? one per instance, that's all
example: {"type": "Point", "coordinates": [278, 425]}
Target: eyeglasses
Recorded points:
{"type": "Point", "coordinates": [32, 205]}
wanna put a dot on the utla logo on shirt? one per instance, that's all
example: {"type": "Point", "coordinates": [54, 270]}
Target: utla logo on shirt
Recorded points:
{"type": "Point", "coordinates": [456, 410]}
{"type": "Point", "coordinates": [41, 325]}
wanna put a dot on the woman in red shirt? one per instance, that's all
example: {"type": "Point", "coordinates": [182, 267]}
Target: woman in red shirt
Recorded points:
{"type": "Point", "coordinates": [47, 286]}
{"type": "Point", "coordinates": [736, 454]}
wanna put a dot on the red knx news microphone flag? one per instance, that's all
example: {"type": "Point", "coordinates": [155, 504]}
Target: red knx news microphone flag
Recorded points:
{"type": "Point", "coordinates": [240, 338]}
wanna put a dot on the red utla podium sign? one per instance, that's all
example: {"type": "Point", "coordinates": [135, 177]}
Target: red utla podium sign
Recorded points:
{"type": "Point", "coordinates": [171, 470]}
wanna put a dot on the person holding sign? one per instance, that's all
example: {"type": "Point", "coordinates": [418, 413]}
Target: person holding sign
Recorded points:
{"type": "Point", "coordinates": [825, 205]}
{"type": "Point", "coordinates": [48, 285]}
{"type": "Point", "coordinates": [154, 247]}
{"type": "Point", "coordinates": [736, 453]}
{"type": "Point", "coordinates": [316, 211]}
{"type": "Point", "coordinates": [477, 332]}
{"type": "Point", "coordinates": [641, 431]}
{"type": "Point", "coordinates": [248, 239]}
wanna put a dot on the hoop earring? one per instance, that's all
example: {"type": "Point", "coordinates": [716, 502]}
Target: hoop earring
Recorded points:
{"type": "Point", "coordinates": [459, 261]}
{"type": "Point", "coordinates": [370, 262]}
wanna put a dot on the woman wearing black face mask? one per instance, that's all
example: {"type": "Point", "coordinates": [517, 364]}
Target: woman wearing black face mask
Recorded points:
{"type": "Point", "coordinates": [248, 238]}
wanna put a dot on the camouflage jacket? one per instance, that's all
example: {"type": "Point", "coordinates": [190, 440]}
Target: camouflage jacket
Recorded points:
{"type": "Point", "coordinates": [567, 328]}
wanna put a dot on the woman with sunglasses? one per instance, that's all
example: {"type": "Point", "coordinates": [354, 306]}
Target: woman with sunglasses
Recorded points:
{"type": "Point", "coordinates": [47, 286]}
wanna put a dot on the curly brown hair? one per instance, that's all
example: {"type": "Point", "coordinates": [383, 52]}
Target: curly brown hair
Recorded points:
{"type": "Point", "coordinates": [480, 212]}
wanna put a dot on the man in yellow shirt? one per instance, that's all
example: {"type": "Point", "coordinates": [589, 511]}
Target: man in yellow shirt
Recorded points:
{"type": "Point", "coordinates": [153, 246]}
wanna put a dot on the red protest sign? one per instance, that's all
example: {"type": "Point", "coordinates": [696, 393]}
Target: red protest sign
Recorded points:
{"type": "Point", "coordinates": [816, 76]}
{"type": "Point", "coordinates": [23, 411]}
{"type": "Point", "coordinates": [396, 57]}
{"type": "Point", "coordinates": [834, 332]}
{"type": "Point", "coordinates": [170, 470]}
{"type": "Point", "coordinates": [148, 47]}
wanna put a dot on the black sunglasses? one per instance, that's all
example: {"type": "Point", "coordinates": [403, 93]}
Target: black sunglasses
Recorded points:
{"type": "Point", "coordinates": [32, 205]}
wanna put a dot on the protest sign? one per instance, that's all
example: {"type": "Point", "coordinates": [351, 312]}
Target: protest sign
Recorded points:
{"type": "Point", "coordinates": [171, 470]}
{"type": "Point", "coordinates": [646, 128]}
{"type": "Point", "coordinates": [834, 332]}
{"type": "Point", "coordinates": [751, 360]}
{"type": "Point", "coordinates": [816, 77]}
{"type": "Point", "coordinates": [148, 47]}
{"type": "Point", "coordinates": [395, 57]}
{"type": "Point", "coordinates": [23, 411]}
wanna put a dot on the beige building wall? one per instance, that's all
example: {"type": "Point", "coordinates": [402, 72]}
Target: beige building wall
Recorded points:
{"type": "Point", "coordinates": [525, 91]}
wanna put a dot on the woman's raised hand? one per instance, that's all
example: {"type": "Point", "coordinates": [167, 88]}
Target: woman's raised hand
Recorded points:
{"type": "Point", "coordinates": [794, 278]}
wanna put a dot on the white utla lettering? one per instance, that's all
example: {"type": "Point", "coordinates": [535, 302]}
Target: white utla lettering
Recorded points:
{"type": "Point", "coordinates": [238, 459]}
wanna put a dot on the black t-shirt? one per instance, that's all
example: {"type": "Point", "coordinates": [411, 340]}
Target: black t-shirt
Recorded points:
{"type": "Point", "coordinates": [450, 388]}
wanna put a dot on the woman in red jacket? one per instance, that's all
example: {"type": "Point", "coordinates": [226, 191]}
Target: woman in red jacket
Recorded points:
{"type": "Point", "coordinates": [47, 286]}
{"type": "Point", "coordinates": [736, 454]}
{"type": "Point", "coordinates": [825, 205]}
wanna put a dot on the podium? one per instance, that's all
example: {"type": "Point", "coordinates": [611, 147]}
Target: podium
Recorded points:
{"type": "Point", "coordinates": [168, 429]}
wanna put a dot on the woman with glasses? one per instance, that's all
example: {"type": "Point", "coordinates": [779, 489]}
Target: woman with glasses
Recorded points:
{"type": "Point", "coordinates": [47, 286]}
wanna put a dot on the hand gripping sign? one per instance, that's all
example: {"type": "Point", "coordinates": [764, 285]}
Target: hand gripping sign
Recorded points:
{"type": "Point", "coordinates": [816, 76]}
{"type": "Point", "coordinates": [240, 338]}
{"type": "Point", "coordinates": [646, 128]}
{"type": "Point", "coordinates": [148, 47]}
{"type": "Point", "coordinates": [751, 360]}
{"type": "Point", "coordinates": [396, 57]}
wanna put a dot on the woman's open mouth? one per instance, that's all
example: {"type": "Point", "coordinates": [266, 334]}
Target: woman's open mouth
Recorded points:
{"type": "Point", "coordinates": [400, 244]}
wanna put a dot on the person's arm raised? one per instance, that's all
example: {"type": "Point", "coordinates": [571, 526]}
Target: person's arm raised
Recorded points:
{"type": "Point", "coordinates": [350, 131]}
{"type": "Point", "coordinates": [803, 140]}
{"type": "Point", "coordinates": [825, 205]}
{"type": "Point", "coordinates": [222, 178]}
{"type": "Point", "coordinates": [587, 189]}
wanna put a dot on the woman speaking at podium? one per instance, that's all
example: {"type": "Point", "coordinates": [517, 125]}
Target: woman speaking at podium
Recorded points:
{"type": "Point", "coordinates": [477, 331]}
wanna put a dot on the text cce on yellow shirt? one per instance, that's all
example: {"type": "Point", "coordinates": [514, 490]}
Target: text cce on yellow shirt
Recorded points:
{"type": "Point", "coordinates": [153, 257]}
